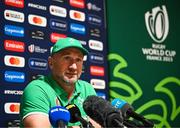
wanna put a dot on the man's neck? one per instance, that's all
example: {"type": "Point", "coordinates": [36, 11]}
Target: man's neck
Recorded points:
{"type": "Point", "coordinates": [68, 88]}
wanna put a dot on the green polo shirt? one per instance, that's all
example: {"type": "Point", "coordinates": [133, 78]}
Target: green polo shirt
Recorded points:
{"type": "Point", "coordinates": [44, 93]}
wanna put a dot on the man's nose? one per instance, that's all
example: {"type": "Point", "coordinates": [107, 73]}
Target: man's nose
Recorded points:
{"type": "Point", "coordinates": [73, 66]}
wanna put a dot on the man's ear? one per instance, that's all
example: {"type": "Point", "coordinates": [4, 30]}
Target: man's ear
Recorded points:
{"type": "Point", "coordinates": [50, 62]}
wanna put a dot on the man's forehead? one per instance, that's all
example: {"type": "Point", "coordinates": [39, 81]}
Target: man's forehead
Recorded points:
{"type": "Point", "coordinates": [71, 50]}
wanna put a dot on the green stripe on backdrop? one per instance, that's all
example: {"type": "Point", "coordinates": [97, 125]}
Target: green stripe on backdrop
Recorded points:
{"type": "Point", "coordinates": [144, 61]}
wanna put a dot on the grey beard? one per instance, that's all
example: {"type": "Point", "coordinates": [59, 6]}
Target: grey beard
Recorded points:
{"type": "Point", "coordinates": [69, 83]}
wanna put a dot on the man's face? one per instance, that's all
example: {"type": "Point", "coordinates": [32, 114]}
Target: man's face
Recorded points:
{"type": "Point", "coordinates": [66, 65]}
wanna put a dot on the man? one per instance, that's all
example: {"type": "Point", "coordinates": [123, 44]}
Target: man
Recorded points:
{"type": "Point", "coordinates": [61, 87]}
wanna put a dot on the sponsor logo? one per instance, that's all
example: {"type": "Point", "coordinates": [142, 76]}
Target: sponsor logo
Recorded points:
{"type": "Point", "coordinates": [12, 30]}
{"type": "Point", "coordinates": [85, 58]}
{"type": "Point", "coordinates": [13, 76]}
{"type": "Point", "coordinates": [14, 61]}
{"type": "Point", "coordinates": [95, 32]}
{"type": "Point", "coordinates": [37, 63]}
{"type": "Point", "coordinates": [157, 23]}
{"type": "Point", "coordinates": [12, 45]}
{"type": "Point", "coordinates": [96, 45]}
{"type": "Point", "coordinates": [57, 11]}
{"type": "Point", "coordinates": [13, 123]}
{"type": "Point", "coordinates": [37, 20]}
{"type": "Point", "coordinates": [77, 3]}
{"type": "Point", "coordinates": [34, 76]}
{"type": "Point", "coordinates": [36, 49]}
{"type": "Point", "coordinates": [93, 7]}
{"type": "Point", "coordinates": [80, 102]}
{"type": "Point", "coordinates": [55, 36]}
{"type": "Point", "coordinates": [58, 24]}
{"type": "Point", "coordinates": [94, 19]}
{"type": "Point", "coordinates": [37, 34]}
{"type": "Point", "coordinates": [97, 83]}
{"type": "Point", "coordinates": [83, 42]}
{"type": "Point", "coordinates": [14, 16]}
{"type": "Point", "coordinates": [96, 58]}
{"type": "Point", "coordinates": [59, 1]}
{"type": "Point", "coordinates": [15, 3]}
{"type": "Point", "coordinates": [83, 69]}
{"type": "Point", "coordinates": [13, 92]}
{"type": "Point", "coordinates": [77, 28]}
{"type": "Point", "coordinates": [77, 15]}
{"type": "Point", "coordinates": [12, 108]}
{"type": "Point", "coordinates": [37, 6]}
{"type": "Point", "coordinates": [97, 71]}
{"type": "Point", "coordinates": [101, 94]}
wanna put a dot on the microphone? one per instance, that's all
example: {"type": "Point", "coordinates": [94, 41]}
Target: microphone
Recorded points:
{"type": "Point", "coordinates": [59, 116]}
{"type": "Point", "coordinates": [103, 112]}
{"type": "Point", "coordinates": [128, 111]}
{"type": "Point", "coordinates": [76, 116]}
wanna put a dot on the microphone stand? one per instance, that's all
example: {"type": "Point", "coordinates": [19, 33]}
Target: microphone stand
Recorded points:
{"type": "Point", "coordinates": [145, 121]}
{"type": "Point", "coordinates": [130, 124]}
{"type": "Point", "coordinates": [61, 124]}
{"type": "Point", "coordinates": [84, 123]}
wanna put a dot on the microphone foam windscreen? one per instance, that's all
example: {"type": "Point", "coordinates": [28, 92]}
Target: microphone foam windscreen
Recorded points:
{"type": "Point", "coordinates": [100, 110]}
{"type": "Point", "coordinates": [74, 112]}
{"type": "Point", "coordinates": [58, 113]}
{"type": "Point", "coordinates": [123, 106]}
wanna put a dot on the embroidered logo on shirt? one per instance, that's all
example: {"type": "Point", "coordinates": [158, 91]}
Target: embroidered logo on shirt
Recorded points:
{"type": "Point", "coordinates": [80, 100]}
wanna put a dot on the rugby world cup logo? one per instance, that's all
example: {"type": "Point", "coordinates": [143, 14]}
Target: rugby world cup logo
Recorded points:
{"type": "Point", "coordinates": [157, 23]}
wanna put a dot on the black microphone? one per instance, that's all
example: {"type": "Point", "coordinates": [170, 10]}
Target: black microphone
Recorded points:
{"type": "Point", "coordinates": [76, 116]}
{"type": "Point", "coordinates": [127, 111]}
{"type": "Point", "coordinates": [103, 112]}
{"type": "Point", "coordinates": [59, 116]}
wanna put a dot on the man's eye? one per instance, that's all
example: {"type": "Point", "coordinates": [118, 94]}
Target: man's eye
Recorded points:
{"type": "Point", "coordinates": [67, 58]}
{"type": "Point", "coordinates": [79, 60]}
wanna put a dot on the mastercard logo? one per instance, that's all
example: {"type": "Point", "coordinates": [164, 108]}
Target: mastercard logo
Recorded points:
{"type": "Point", "coordinates": [14, 61]}
{"type": "Point", "coordinates": [37, 20]}
{"type": "Point", "coordinates": [12, 108]}
{"type": "Point", "coordinates": [77, 15]}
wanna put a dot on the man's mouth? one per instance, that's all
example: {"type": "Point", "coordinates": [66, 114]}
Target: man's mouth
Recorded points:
{"type": "Point", "coordinates": [71, 74]}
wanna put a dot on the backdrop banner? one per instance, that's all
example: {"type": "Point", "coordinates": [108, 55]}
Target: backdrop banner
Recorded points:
{"type": "Point", "coordinates": [28, 29]}
{"type": "Point", "coordinates": [144, 60]}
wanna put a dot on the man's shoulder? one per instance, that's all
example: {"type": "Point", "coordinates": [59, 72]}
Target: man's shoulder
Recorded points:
{"type": "Point", "coordinates": [40, 82]}
{"type": "Point", "coordinates": [83, 82]}
{"type": "Point", "coordinates": [85, 88]}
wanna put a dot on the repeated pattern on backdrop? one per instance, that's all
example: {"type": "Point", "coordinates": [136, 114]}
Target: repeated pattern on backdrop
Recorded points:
{"type": "Point", "coordinates": [29, 28]}
{"type": "Point", "coordinates": [144, 57]}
